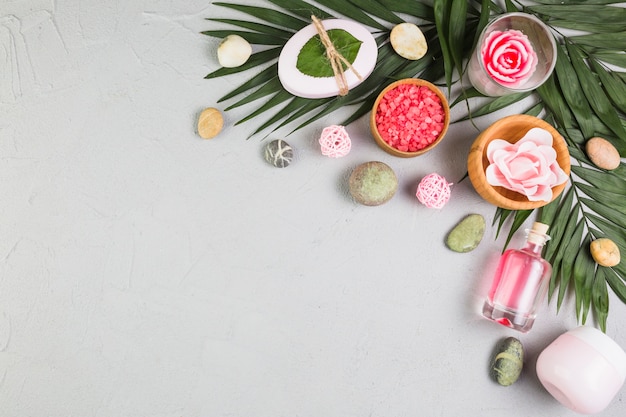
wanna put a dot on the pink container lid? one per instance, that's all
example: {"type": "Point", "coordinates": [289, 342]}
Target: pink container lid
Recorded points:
{"type": "Point", "coordinates": [603, 344]}
{"type": "Point", "coordinates": [583, 369]}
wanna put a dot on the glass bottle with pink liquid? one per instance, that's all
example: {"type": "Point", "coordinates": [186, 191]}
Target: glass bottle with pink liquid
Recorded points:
{"type": "Point", "coordinates": [520, 283]}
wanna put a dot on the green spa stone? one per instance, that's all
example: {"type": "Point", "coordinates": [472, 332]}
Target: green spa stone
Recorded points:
{"type": "Point", "coordinates": [373, 183]}
{"type": "Point", "coordinates": [507, 362]}
{"type": "Point", "coordinates": [467, 234]}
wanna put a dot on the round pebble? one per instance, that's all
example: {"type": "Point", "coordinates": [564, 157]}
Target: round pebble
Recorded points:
{"type": "Point", "coordinates": [605, 252]}
{"type": "Point", "coordinates": [602, 153]}
{"type": "Point", "coordinates": [408, 41]}
{"type": "Point", "coordinates": [279, 153]}
{"type": "Point", "coordinates": [467, 234]}
{"type": "Point", "coordinates": [233, 51]}
{"type": "Point", "coordinates": [210, 123]}
{"type": "Point", "coordinates": [508, 361]}
{"type": "Point", "coordinates": [373, 183]}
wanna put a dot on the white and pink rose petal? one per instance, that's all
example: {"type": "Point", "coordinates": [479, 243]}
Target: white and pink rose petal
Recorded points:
{"type": "Point", "coordinates": [528, 166]}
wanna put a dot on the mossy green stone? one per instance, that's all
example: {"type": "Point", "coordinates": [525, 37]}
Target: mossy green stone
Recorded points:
{"type": "Point", "coordinates": [508, 361]}
{"type": "Point", "coordinates": [467, 234]}
{"type": "Point", "coordinates": [373, 183]}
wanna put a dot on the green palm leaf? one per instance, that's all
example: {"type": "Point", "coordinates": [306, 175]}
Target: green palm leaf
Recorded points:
{"type": "Point", "coordinates": [597, 98]}
{"type": "Point", "coordinates": [617, 58]}
{"type": "Point", "coordinates": [302, 9]}
{"type": "Point", "coordinates": [420, 10]}
{"type": "Point", "coordinates": [583, 13]}
{"type": "Point", "coordinates": [278, 18]}
{"type": "Point", "coordinates": [347, 8]}
{"type": "Point", "coordinates": [614, 87]}
{"type": "Point", "coordinates": [583, 274]}
{"type": "Point", "coordinates": [600, 297]}
{"type": "Point", "coordinates": [442, 21]}
{"type": "Point", "coordinates": [570, 252]}
{"type": "Point", "coordinates": [261, 78]}
{"type": "Point", "coordinates": [573, 2]}
{"type": "Point", "coordinates": [617, 284]}
{"type": "Point", "coordinates": [496, 104]}
{"type": "Point", "coordinates": [617, 40]}
{"type": "Point", "coordinates": [589, 27]}
{"type": "Point", "coordinates": [566, 76]}
{"type": "Point", "coordinates": [271, 87]}
{"type": "Point", "coordinates": [377, 9]}
{"type": "Point", "coordinates": [256, 27]}
{"type": "Point", "coordinates": [257, 59]}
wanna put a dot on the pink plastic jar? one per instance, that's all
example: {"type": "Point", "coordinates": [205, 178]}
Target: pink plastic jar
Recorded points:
{"type": "Point", "coordinates": [583, 369]}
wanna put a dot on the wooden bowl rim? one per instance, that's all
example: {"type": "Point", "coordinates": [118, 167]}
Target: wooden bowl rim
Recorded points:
{"type": "Point", "coordinates": [415, 81]}
{"type": "Point", "coordinates": [477, 167]}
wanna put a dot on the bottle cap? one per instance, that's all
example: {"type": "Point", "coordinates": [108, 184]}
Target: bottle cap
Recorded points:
{"type": "Point", "coordinates": [538, 234]}
{"type": "Point", "coordinates": [540, 228]}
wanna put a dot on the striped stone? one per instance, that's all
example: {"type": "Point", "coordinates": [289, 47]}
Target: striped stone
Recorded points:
{"type": "Point", "coordinates": [279, 153]}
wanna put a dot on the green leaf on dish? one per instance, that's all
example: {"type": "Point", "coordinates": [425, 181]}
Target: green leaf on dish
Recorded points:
{"type": "Point", "coordinates": [312, 59]}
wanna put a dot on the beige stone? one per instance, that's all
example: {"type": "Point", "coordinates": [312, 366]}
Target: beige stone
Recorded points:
{"type": "Point", "coordinates": [602, 153]}
{"type": "Point", "coordinates": [408, 41]}
{"type": "Point", "coordinates": [605, 252]}
{"type": "Point", "coordinates": [210, 123]}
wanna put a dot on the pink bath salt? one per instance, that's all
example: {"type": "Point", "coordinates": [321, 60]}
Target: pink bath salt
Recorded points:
{"type": "Point", "coordinates": [410, 117]}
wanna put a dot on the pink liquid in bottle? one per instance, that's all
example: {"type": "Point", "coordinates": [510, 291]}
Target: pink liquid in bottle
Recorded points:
{"type": "Point", "coordinates": [520, 283]}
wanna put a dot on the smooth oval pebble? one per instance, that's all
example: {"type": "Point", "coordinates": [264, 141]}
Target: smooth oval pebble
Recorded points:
{"type": "Point", "coordinates": [233, 51]}
{"type": "Point", "coordinates": [467, 234]}
{"type": "Point", "coordinates": [373, 183]}
{"type": "Point", "coordinates": [605, 252]}
{"type": "Point", "coordinates": [210, 123]}
{"type": "Point", "coordinates": [279, 153]}
{"type": "Point", "coordinates": [602, 153]}
{"type": "Point", "coordinates": [408, 41]}
{"type": "Point", "coordinates": [508, 361]}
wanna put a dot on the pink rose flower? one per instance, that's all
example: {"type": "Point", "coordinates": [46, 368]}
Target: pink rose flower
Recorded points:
{"type": "Point", "coordinates": [509, 57]}
{"type": "Point", "coordinates": [528, 166]}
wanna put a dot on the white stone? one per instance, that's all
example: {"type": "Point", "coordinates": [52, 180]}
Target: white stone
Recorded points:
{"type": "Point", "coordinates": [408, 41]}
{"type": "Point", "coordinates": [233, 51]}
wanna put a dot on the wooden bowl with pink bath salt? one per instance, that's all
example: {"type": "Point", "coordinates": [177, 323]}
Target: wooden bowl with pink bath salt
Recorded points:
{"type": "Point", "coordinates": [409, 117]}
{"type": "Point", "coordinates": [512, 128]}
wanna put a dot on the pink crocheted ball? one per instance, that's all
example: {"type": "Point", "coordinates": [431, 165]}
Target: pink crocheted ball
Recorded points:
{"type": "Point", "coordinates": [433, 191]}
{"type": "Point", "coordinates": [335, 141]}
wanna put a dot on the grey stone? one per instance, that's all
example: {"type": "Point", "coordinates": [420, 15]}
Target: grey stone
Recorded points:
{"type": "Point", "coordinates": [279, 153]}
{"type": "Point", "coordinates": [507, 362]}
{"type": "Point", "coordinates": [467, 234]}
{"type": "Point", "coordinates": [373, 183]}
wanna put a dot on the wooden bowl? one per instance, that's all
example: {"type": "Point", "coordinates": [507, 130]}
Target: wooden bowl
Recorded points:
{"type": "Point", "coordinates": [512, 129]}
{"type": "Point", "coordinates": [422, 83]}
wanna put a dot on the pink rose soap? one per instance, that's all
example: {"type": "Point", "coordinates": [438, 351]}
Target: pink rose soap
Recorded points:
{"type": "Point", "coordinates": [508, 57]}
{"type": "Point", "coordinates": [528, 166]}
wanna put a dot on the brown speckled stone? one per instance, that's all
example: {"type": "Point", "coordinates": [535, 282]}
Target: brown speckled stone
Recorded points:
{"type": "Point", "coordinates": [602, 153]}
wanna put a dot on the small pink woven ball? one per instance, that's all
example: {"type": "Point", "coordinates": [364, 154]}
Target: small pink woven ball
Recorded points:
{"type": "Point", "coordinates": [335, 141]}
{"type": "Point", "coordinates": [433, 191]}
